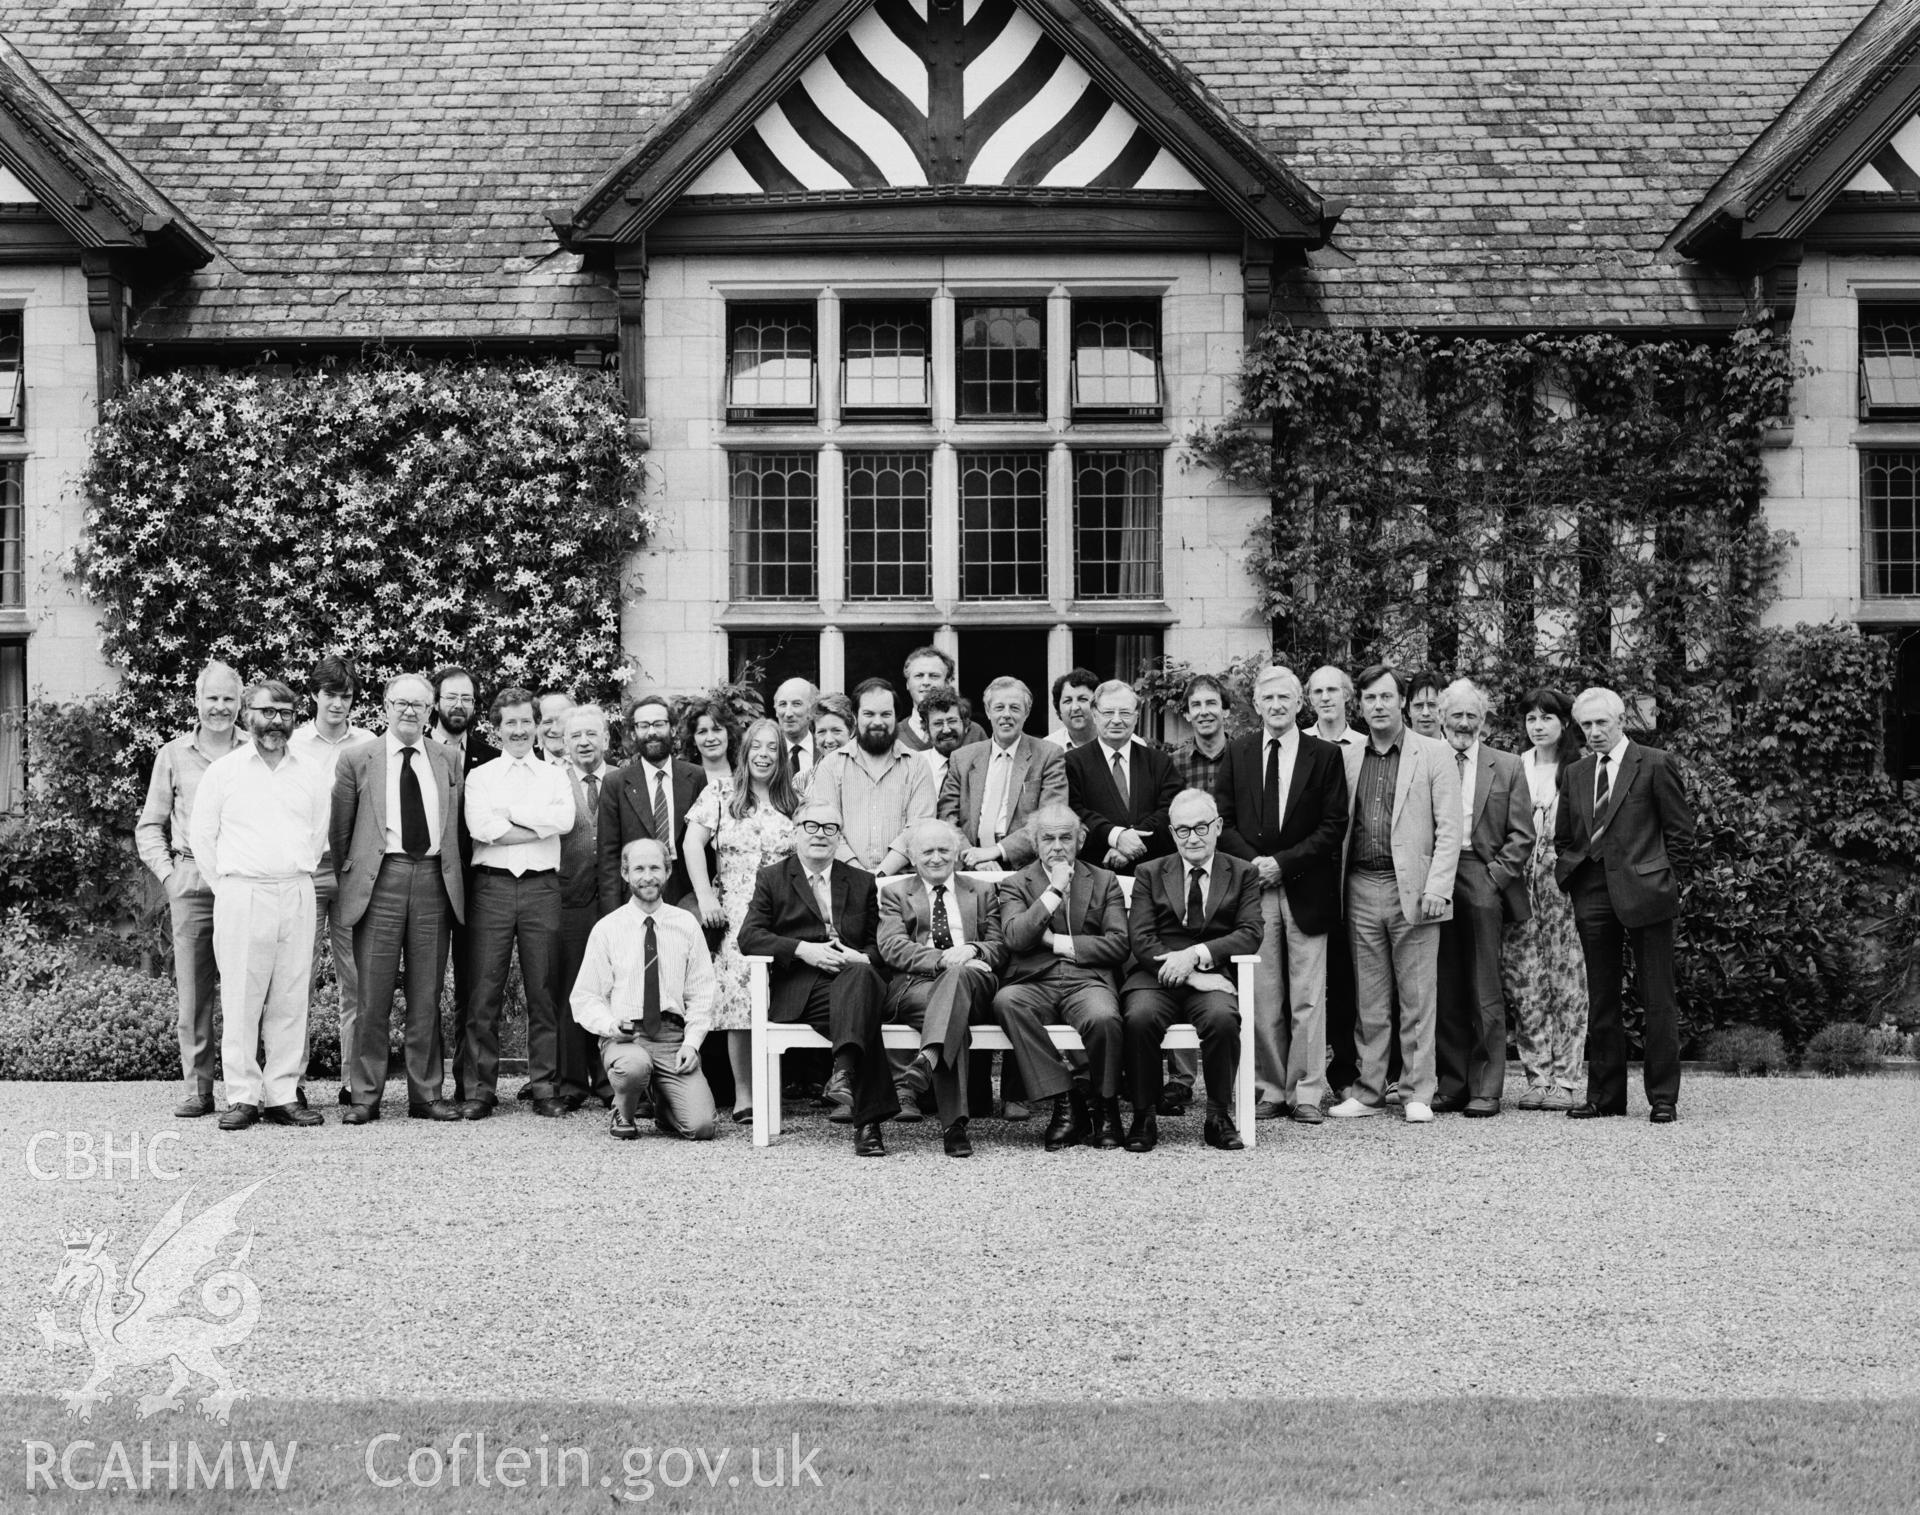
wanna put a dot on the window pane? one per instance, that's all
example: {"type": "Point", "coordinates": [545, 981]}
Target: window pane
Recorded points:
{"type": "Point", "coordinates": [884, 362]}
{"type": "Point", "coordinates": [1116, 356]}
{"type": "Point", "coordinates": [1003, 525]}
{"type": "Point", "coordinates": [1892, 491]}
{"type": "Point", "coordinates": [1889, 359]}
{"type": "Point", "coordinates": [13, 378]}
{"type": "Point", "coordinates": [13, 579]}
{"type": "Point", "coordinates": [888, 496]}
{"type": "Point", "coordinates": [1002, 360]}
{"type": "Point", "coordinates": [1116, 525]}
{"type": "Point", "coordinates": [770, 359]}
{"type": "Point", "coordinates": [13, 726]}
{"type": "Point", "coordinates": [774, 525]}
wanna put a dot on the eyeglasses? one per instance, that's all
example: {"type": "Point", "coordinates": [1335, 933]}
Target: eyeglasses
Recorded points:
{"type": "Point", "coordinates": [416, 706]}
{"type": "Point", "coordinates": [456, 699]}
{"type": "Point", "coordinates": [652, 726]}
{"type": "Point", "coordinates": [820, 828]}
{"type": "Point", "coordinates": [1125, 713]}
{"type": "Point", "coordinates": [1187, 833]}
{"type": "Point", "coordinates": [272, 712]}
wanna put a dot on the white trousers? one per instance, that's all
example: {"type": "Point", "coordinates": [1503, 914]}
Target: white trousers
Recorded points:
{"type": "Point", "coordinates": [263, 942]}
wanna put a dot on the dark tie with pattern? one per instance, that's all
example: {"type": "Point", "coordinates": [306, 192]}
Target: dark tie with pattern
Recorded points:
{"type": "Point", "coordinates": [660, 811]}
{"type": "Point", "coordinates": [1120, 780]}
{"type": "Point", "coordinates": [942, 932]}
{"type": "Point", "coordinates": [1270, 795]}
{"type": "Point", "coordinates": [593, 802]}
{"type": "Point", "coordinates": [650, 987]}
{"type": "Point", "coordinates": [1196, 904]}
{"type": "Point", "coordinates": [414, 839]}
{"type": "Point", "coordinates": [796, 755]}
{"type": "Point", "coordinates": [1605, 788]}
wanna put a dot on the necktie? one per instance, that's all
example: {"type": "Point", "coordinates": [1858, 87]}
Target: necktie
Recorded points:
{"type": "Point", "coordinates": [1196, 905]}
{"type": "Point", "coordinates": [796, 755]}
{"type": "Point", "coordinates": [1270, 796]}
{"type": "Point", "coordinates": [593, 794]}
{"type": "Point", "coordinates": [650, 987]}
{"type": "Point", "coordinates": [1460, 762]}
{"type": "Point", "coordinates": [660, 828]}
{"type": "Point", "coordinates": [1120, 778]}
{"type": "Point", "coordinates": [993, 806]}
{"type": "Point", "coordinates": [942, 932]}
{"type": "Point", "coordinates": [823, 897]}
{"type": "Point", "coordinates": [1605, 788]}
{"type": "Point", "coordinates": [414, 839]}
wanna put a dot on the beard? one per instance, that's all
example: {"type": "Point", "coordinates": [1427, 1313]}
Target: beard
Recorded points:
{"type": "Point", "coordinates": [877, 740]}
{"type": "Point", "coordinates": [655, 749]}
{"type": "Point", "coordinates": [454, 719]}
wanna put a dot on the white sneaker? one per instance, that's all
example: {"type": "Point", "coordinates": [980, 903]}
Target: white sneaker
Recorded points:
{"type": "Point", "coordinates": [1352, 1109]}
{"type": "Point", "coordinates": [1416, 1113]}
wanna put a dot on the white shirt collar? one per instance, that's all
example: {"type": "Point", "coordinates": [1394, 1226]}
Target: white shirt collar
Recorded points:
{"type": "Point", "coordinates": [1617, 751]}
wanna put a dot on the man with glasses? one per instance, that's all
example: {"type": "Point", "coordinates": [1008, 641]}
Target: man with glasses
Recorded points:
{"type": "Point", "coordinates": [395, 829]}
{"type": "Point", "coordinates": [1121, 788]}
{"type": "Point", "coordinates": [1192, 914]}
{"type": "Point", "coordinates": [455, 709]}
{"type": "Point", "coordinates": [649, 797]}
{"type": "Point", "coordinates": [259, 825]}
{"type": "Point", "coordinates": [817, 918]}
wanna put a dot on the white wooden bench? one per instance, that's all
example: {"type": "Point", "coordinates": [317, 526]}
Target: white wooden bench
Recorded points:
{"type": "Point", "coordinates": [772, 1040]}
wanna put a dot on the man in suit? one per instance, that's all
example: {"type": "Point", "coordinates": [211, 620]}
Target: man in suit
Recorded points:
{"type": "Point", "coordinates": [649, 797]}
{"type": "Point", "coordinates": [817, 919]}
{"type": "Point", "coordinates": [578, 1073]}
{"type": "Point", "coordinates": [1192, 914]}
{"type": "Point", "coordinates": [1121, 788]}
{"type": "Point", "coordinates": [994, 787]}
{"type": "Point", "coordinates": [1490, 889]}
{"type": "Point", "coordinates": [1285, 812]}
{"type": "Point", "coordinates": [1403, 846]}
{"type": "Point", "coordinates": [1624, 838]}
{"type": "Point", "coordinates": [395, 826]}
{"type": "Point", "coordinates": [940, 933]}
{"type": "Point", "coordinates": [456, 707]}
{"type": "Point", "coordinates": [1330, 698]}
{"type": "Point", "coordinates": [925, 670]}
{"type": "Point", "coordinates": [793, 710]}
{"type": "Point", "coordinates": [1065, 928]}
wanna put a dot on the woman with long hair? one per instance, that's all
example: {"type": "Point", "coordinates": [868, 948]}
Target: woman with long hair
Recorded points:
{"type": "Point", "coordinates": [750, 827]}
{"type": "Point", "coordinates": [1545, 975]}
{"type": "Point", "coordinates": [709, 735]}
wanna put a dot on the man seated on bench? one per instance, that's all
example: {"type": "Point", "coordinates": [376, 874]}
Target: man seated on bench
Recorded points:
{"type": "Point", "coordinates": [940, 933]}
{"type": "Point", "coordinates": [1066, 933]}
{"type": "Point", "coordinates": [816, 918]}
{"type": "Point", "coordinates": [1192, 914]}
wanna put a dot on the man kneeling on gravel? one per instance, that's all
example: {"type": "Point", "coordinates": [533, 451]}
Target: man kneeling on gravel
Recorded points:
{"type": "Point", "coordinates": [646, 989]}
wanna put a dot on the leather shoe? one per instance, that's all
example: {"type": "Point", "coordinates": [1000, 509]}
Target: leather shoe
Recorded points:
{"type": "Point", "coordinates": [1271, 1109]}
{"type": "Point", "coordinates": [292, 1115]}
{"type": "Point", "coordinates": [1221, 1132]}
{"type": "Point", "coordinates": [1449, 1104]}
{"type": "Point", "coordinates": [526, 1093]}
{"type": "Point", "coordinates": [475, 1109]}
{"type": "Point", "coordinates": [1016, 1110]}
{"type": "Point", "coordinates": [239, 1117]}
{"type": "Point", "coordinates": [1071, 1125]}
{"type": "Point", "coordinates": [434, 1109]}
{"type": "Point", "coordinates": [1144, 1134]}
{"type": "Point", "coordinates": [194, 1105]}
{"type": "Point", "coordinates": [743, 1116]}
{"type": "Point", "coordinates": [1108, 1134]}
{"type": "Point", "coordinates": [359, 1115]}
{"type": "Point", "coordinates": [1663, 1115]}
{"type": "Point", "coordinates": [842, 1112]}
{"type": "Point", "coordinates": [1590, 1111]}
{"type": "Point", "coordinates": [621, 1127]}
{"type": "Point", "coordinates": [550, 1107]}
{"type": "Point", "coordinates": [866, 1141]}
{"type": "Point", "coordinates": [1174, 1099]}
{"type": "Point", "coordinates": [955, 1137]}
{"type": "Point", "coordinates": [346, 1095]}
{"type": "Point", "coordinates": [1481, 1109]}
{"type": "Point", "coordinates": [1309, 1115]}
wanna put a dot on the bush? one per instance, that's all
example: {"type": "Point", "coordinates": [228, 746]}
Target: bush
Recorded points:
{"type": "Point", "coordinates": [1745, 1052]}
{"type": "Point", "coordinates": [1843, 1049]}
{"type": "Point", "coordinates": [99, 1021]}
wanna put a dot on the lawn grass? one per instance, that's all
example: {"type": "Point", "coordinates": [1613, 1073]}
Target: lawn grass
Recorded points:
{"type": "Point", "coordinates": [1586, 1453]}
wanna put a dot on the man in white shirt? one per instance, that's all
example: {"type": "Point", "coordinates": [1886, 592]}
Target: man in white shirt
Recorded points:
{"type": "Point", "coordinates": [1330, 697]}
{"type": "Point", "coordinates": [646, 989]}
{"type": "Point", "coordinates": [793, 710]}
{"type": "Point", "coordinates": [518, 807]}
{"type": "Point", "coordinates": [335, 686]}
{"type": "Point", "coordinates": [259, 824]}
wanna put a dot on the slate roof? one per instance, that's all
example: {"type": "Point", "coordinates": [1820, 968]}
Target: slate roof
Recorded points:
{"type": "Point", "coordinates": [385, 168]}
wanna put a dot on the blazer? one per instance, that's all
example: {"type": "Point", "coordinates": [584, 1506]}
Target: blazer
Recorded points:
{"type": "Point", "coordinates": [1152, 782]}
{"type": "Point", "coordinates": [358, 831]}
{"type": "Point", "coordinates": [782, 914]}
{"type": "Point", "coordinates": [906, 925]}
{"type": "Point", "coordinates": [626, 815]}
{"type": "Point", "coordinates": [1500, 837]}
{"type": "Point", "coordinates": [579, 853]}
{"type": "Point", "coordinates": [1039, 777]}
{"type": "Point", "coordinates": [1312, 825]}
{"type": "Point", "coordinates": [1157, 919]}
{"type": "Point", "coordinates": [1096, 919]}
{"type": "Point", "coordinates": [1645, 845]}
{"type": "Point", "coordinates": [1426, 819]}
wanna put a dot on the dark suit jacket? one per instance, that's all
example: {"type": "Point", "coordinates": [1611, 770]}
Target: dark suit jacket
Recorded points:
{"type": "Point", "coordinates": [1039, 778]}
{"type": "Point", "coordinates": [1312, 826]}
{"type": "Point", "coordinates": [1156, 922]}
{"type": "Point", "coordinates": [906, 925]}
{"type": "Point", "coordinates": [358, 829]}
{"type": "Point", "coordinates": [477, 750]}
{"type": "Point", "coordinates": [1152, 782]}
{"type": "Point", "coordinates": [1500, 836]}
{"type": "Point", "coordinates": [782, 914]}
{"type": "Point", "coordinates": [1646, 842]}
{"type": "Point", "coordinates": [579, 849]}
{"type": "Point", "coordinates": [626, 815]}
{"type": "Point", "coordinates": [1096, 919]}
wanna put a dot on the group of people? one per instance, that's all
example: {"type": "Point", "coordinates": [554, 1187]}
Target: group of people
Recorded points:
{"type": "Point", "coordinates": [1413, 897]}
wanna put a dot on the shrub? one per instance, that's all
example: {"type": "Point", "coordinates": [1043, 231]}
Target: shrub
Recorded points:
{"type": "Point", "coordinates": [1745, 1052]}
{"type": "Point", "coordinates": [98, 1021]}
{"type": "Point", "coordinates": [1843, 1049]}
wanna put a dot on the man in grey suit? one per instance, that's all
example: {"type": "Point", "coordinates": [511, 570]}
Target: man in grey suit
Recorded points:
{"type": "Point", "coordinates": [395, 837]}
{"type": "Point", "coordinates": [993, 787]}
{"type": "Point", "coordinates": [1403, 846]}
{"type": "Point", "coordinates": [1490, 889]}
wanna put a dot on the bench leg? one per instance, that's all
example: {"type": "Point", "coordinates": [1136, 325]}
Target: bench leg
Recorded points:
{"type": "Point", "coordinates": [768, 1094]}
{"type": "Point", "coordinates": [1243, 1083]}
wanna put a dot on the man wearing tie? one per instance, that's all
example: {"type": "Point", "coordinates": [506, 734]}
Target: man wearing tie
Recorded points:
{"type": "Point", "coordinates": [646, 989]}
{"type": "Point", "coordinates": [994, 787]}
{"type": "Point", "coordinates": [648, 797]}
{"type": "Point", "coordinates": [793, 710]}
{"type": "Point", "coordinates": [1624, 839]}
{"type": "Point", "coordinates": [1192, 914]}
{"type": "Point", "coordinates": [945, 732]}
{"type": "Point", "coordinates": [578, 1071]}
{"type": "Point", "coordinates": [940, 933]}
{"type": "Point", "coordinates": [1121, 788]}
{"type": "Point", "coordinates": [395, 824]}
{"type": "Point", "coordinates": [1286, 812]}
{"type": "Point", "coordinates": [1490, 889]}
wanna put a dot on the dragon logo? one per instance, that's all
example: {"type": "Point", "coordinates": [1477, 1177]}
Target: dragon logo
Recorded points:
{"type": "Point", "coordinates": [145, 1321]}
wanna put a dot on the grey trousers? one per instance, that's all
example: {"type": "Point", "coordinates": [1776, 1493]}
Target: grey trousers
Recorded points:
{"type": "Point", "coordinates": [406, 919]}
{"type": "Point", "coordinates": [193, 972]}
{"type": "Point", "coordinates": [1289, 1007]}
{"type": "Point", "coordinates": [1391, 952]}
{"type": "Point", "coordinates": [640, 1065]}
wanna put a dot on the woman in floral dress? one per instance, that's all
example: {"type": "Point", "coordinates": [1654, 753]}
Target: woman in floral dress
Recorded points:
{"type": "Point", "coordinates": [1545, 974]}
{"type": "Point", "coordinates": [751, 828]}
